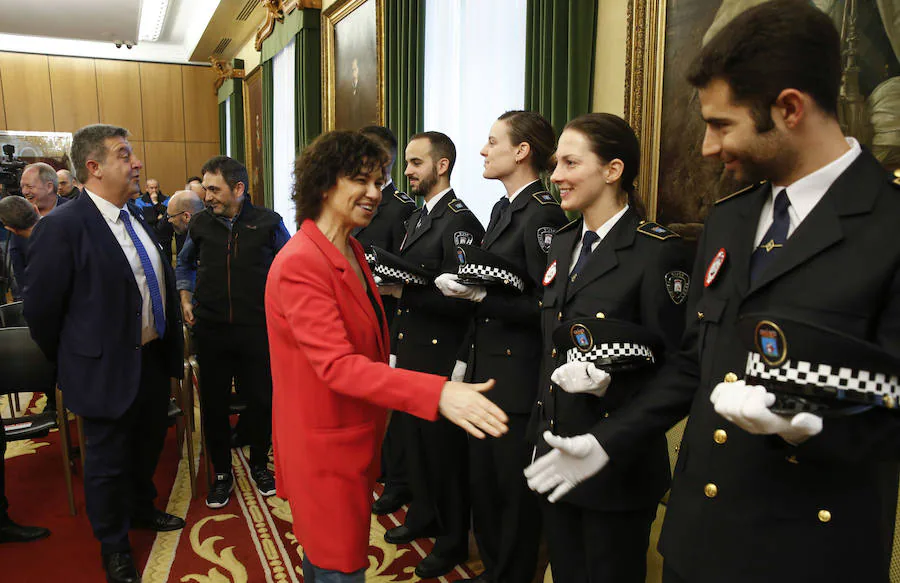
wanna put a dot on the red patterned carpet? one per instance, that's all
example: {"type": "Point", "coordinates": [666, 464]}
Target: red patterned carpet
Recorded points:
{"type": "Point", "coordinates": [249, 540]}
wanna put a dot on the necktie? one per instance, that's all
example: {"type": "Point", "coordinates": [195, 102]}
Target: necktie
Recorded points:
{"type": "Point", "coordinates": [590, 237]}
{"type": "Point", "coordinates": [422, 216]}
{"type": "Point", "coordinates": [497, 212]}
{"type": "Point", "coordinates": [774, 239]}
{"type": "Point", "coordinates": [159, 316]}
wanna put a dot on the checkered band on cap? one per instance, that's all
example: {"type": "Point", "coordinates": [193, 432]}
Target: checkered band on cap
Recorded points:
{"type": "Point", "coordinates": [393, 274]}
{"type": "Point", "coordinates": [482, 271]}
{"type": "Point", "coordinates": [871, 387]}
{"type": "Point", "coordinates": [611, 351]}
{"type": "Point", "coordinates": [370, 258]}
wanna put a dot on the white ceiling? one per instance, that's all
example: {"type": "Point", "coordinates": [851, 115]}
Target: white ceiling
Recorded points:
{"type": "Point", "coordinates": [88, 28]}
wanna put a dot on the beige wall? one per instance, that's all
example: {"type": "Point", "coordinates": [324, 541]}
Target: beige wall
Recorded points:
{"type": "Point", "coordinates": [249, 54]}
{"type": "Point", "coordinates": [171, 110]}
{"type": "Point", "coordinates": [609, 57]}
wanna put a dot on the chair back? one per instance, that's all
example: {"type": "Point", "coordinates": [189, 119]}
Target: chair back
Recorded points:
{"type": "Point", "coordinates": [23, 367]}
{"type": "Point", "coordinates": [12, 315]}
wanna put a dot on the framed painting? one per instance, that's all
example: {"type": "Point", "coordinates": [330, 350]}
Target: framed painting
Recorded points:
{"type": "Point", "coordinates": [253, 135]}
{"type": "Point", "coordinates": [353, 64]}
{"type": "Point", "coordinates": [23, 148]}
{"type": "Point", "coordinates": [678, 185]}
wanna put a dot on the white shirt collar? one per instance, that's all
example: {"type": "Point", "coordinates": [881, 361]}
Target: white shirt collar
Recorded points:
{"type": "Point", "coordinates": [106, 208]}
{"type": "Point", "coordinates": [606, 227]}
{"type": "Point", "coordinates": [513, 196]}
{"type": "Point", "coordinates": [437, 198]}
{"type": "Point", "coordinates": [805, 193]}
{"type": "Point", "coordinates": [388, 183]}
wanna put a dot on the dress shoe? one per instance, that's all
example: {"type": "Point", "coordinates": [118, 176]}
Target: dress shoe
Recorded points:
{"type": "Point", "coordinates": [10, 532]}
{"type": "Point", "coordinates": [157, 520]}
{"type": "Point", "coordinates": [120, 568]}
{"type": "Point", "coordinates": [403, 534]}
{"type": "Point", "coordinates": [391, 501]}
{"type": "Point", "coordinates": [434, 566]}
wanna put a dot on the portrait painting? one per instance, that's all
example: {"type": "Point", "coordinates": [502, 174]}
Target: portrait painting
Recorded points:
{"type": "Point", "coordinates": [353, 89]}
{"type": "Point", "coordinates": [253, 134]}
{"type": "Point", "coordinates": [679, 184]}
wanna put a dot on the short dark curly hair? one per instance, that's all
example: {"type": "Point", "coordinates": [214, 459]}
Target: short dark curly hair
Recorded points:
{"type": "Point", "coordinates": [329, 157]}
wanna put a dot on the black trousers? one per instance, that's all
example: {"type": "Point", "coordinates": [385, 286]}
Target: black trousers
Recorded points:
{"type": "Point", "coordinates": [121, 455]}
{"type": "Point", "coordinates": [506, 515]}
{"type": "Point", "coordinates": [4, 503]}
{"type": "Point", "coordinates": [670, 576]}
{"type": "Point", "coordinates": [438, 476]}
{"type": "Point", "coordinates": [393, 455]}
{"type": "Point", "coordinates": [593, 546]}
{"type": "Point", "coordinates": [229, 353]}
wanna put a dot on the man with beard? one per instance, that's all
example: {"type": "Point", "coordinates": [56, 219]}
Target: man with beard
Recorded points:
{"type": "Point", "coordinates": [760, 495]}
{"type": "Point", "coordinates": [428, 331]}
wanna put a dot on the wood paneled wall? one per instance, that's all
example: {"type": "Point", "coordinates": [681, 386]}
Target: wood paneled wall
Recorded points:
{"type": "Point", "coordinates": [170, 110]}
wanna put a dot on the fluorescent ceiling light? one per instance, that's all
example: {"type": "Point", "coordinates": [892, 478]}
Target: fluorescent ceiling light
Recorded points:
{"type": "Point", "coordinates": [153, 16]}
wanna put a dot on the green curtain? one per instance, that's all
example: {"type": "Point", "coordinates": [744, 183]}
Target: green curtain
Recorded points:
{"type": "Point", "coordinates": [223, 131]}
{"type": "Point", "coordinates": [559, 58]}
{"type": "Point", "coordinates": [308, 87]}
{"type": "Point", "coordinates": [404, 28]}
{"type": "Point", "coordinates": [268, 153]}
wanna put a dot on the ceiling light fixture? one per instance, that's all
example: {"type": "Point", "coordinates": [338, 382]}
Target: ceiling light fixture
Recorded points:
{"type": "Point", "coordinates": [153, 16]}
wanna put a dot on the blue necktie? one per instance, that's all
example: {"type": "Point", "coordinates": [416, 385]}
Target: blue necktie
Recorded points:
{"type": "Point", "coordinates": [159, 316]}
{"type": "Point", "coordinates": [774, 239]}
{"type": "Point", "coordinates": [590, 237]}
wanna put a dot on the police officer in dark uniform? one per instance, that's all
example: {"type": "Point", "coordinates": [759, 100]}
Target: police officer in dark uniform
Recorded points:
{"type": "Point", "coordinates": [506, 342]}
{"type": "Point", "coordinates": [429, 330]}
{"type": "Point", "coordinates": [609, 264]}
{"type": "Point", "coordinates": [386, 232]}
{"type": "Point", "coordinates": [760, 495]}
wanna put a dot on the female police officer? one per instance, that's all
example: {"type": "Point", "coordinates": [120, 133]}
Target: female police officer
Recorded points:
{"type": "Point", "coordinates": [610, 264]}
{"type": "Point", "coordinates": [506, 341]}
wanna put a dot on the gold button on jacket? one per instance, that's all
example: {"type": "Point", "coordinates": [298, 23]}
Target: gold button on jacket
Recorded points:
{"type": "Point", "coordinates": [824, 516]}
{"type": "Point", "coordinates": [720, 436]}
{"type": "Point", "coordinates": [711, 490]}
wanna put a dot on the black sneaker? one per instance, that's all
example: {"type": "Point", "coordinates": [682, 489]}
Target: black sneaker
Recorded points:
{"type": "Point", "coordinates": [264, 480]}
{"type": "Point", "coordinates": [220, 493]}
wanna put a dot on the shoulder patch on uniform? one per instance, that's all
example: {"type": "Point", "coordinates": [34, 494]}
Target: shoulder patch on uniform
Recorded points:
{"type": "Point", "coordinates": [656, 231]}
{"type": "Point", "coordinates": [568, 226]}
{"type": "Point", "coordinates": [544, 198]}
{"type": "Point", "coordinates": [457, 206]}
{"type": "Point", "coordinates": [740, 192]}
{"type": "Point", "coordinates": [403, 197]}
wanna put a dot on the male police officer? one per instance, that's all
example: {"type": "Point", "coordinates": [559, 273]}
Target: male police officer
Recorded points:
{"type": "Point", "coordinates": [429, 329]}
{"type": "Point", "coordinates": [760, 496]}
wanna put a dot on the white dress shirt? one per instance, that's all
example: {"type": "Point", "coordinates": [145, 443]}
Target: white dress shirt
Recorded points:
{"type": "Point", "coordinates": [602, 232]}
{"type": "Point", "coordinates": [805, 193]}
{"type": "Point", "coordinates": [437, 198]}
{"type": "Point", "coordinates": [110, 212]}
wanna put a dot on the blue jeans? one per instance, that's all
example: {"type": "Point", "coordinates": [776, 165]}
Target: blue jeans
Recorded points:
{"type": "Point", "coordinates": [313, 574]}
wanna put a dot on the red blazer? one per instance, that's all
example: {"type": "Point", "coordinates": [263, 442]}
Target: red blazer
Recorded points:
{"type": "Point", "coordinates": [332, 389]}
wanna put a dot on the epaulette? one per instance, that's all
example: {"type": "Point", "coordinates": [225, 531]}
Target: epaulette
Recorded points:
{"type": "Point", "coordinates": [567, 226]}
{"type": "Point", "coordinates": [741, 191]}
{"type": "Point", "coordinates": [897, 177]}
{"type": "Point", "coordinates": [656, 230]}
{"type": "Point", "coordinates": [403, 197]}
{"type": "Point", "coordinates": [545, 198]}
{"type": "Point", "coordinates": [457, 206]}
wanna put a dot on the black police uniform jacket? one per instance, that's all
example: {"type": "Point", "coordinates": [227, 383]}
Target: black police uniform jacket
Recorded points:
{"type": "Point", "coordinates": [625, 279]}
{"type": "Point", "coordinates": [749, 508]}
{"type": "Point", "coordinates": [232, 265]}
{"type": "Point", "coordinates": [506, 338]}
{"type": "Point", "coordinates": [428, 328]}
{"type": "Point", "coordinates": [388, 224]}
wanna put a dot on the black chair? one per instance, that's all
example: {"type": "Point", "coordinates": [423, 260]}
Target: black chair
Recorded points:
{"type": "Point", "coordinates": [24, 368]}
{"type": "Point", "coordinates": [12, 315]}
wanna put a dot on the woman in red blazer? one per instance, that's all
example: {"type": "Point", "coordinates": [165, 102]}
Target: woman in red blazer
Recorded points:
{"type": "Point", "coordinates": [329, 345]}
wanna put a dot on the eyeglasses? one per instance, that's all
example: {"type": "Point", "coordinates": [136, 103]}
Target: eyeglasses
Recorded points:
{"type": "Point", "coordinates": [170, 217]}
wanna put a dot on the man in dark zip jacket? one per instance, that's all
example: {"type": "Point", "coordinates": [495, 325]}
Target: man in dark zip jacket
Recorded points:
{"type": "Point", "coordinates": [221, 274]}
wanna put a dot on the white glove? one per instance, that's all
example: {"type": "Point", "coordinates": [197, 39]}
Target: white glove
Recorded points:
{"type": "Point", "coordinates": [459, 371]}
{"type": "Point", "coordinates": [449, 285]}
{"type": "Point", "coordinates": [572, 461]}
{"type": "Point", "coordinates": [392, 361]}
{"type": "Point", "coordinates": [747, 406]}
{"type": "Point", "coordinates": [581, 377]}
{"type": "Point", "coordinates": [391, 289]}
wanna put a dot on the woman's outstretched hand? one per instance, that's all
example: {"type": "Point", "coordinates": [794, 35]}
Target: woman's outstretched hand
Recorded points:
{"type": "Point", "coordinates": [464, 405]}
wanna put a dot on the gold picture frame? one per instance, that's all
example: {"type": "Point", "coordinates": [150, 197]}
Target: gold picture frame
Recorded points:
{"type": "Point", "coordinates": [353, 88]}
{"type": "Point", "coordinates": [253, 134]}
{"type": "Point", "coordinates": [678, 186]}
